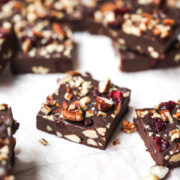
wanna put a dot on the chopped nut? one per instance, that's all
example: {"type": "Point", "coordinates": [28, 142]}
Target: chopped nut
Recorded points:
{"type": "Point", "coordinates": [59, 30]}
{"type": "Point", "coordinates": [175, 158]}
{"type": "Point", "coordinates": [45, 109]}
{"type": "Point", "coordinates": [3, 106]}
{"type": "Point", "coordinates": [91, 142]}
{"type": "Point", "coordinates": [116, 110]}
{"type": "Point", "coordinates": [168, 22]}
{"type": "Point", "coordinates": [84, 101]}
{"type": "Point", "coordinates": [90, 133]}
{"type": "Point", "coordinates": [128, 127]}
{"type": "Point", "coordinates": [159, 171]}
{"type": "Point", "coordinates": [115, 142]}
{"type": "Point", "coordinates": [108, 7]}
{"type": "Point", "coordinates": [26, 45]}
{"type": "Point", "coordinates": [177, 116]}
{"type": "Point", "coordinates": [175, 134]}
{"type": "Point", "coordinates": [100, 113]}
{"type": "Point", "coordinates": [151, 177]}
{"type": "Point", "coordinates": [103, 104]}
{"type": "Point", "coordinates": [76, 115]}
{"type": "Point", "coordinates": [89, 113]}
{"type": "Point", "coordinates": [68, 96]}
{"type": "Point", "coordinates": [65, 105]}
{"type": "Point", "coordinates": [73, 138]}
{"type": "Point", "coordinates": [74, 105]}
{"type": "Point", "coordinates": [43, 141]}
{"type": "Point", "coordinates": [50, 101]}
{"type": "Point", "coordinates": [103, 86]}
{"type": "Point", "coordinates": [101, 131]}
{"type": "Point", "coordinates": [166, 116]}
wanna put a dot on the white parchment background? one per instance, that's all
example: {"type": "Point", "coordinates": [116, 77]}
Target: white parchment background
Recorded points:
{"type": "Point", "coordinates": [63, 160]}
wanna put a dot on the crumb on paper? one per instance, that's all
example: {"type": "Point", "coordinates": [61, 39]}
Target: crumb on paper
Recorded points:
{"type": "Point", "coordinates": [128, 127]}
{"type": "Point", "coordinates": [43, 141]}
{"type": "Point", "coordinates": [115, 142]}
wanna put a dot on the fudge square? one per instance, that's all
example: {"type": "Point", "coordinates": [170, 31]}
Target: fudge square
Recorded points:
{"type": "Point", "coordinates": [8, 127]}
{"type": "Point", "coordinates": [159, 127]}
{"type": "Point", "coordinates": [84, 110]}
{"type": "Point", "coordinates": [44, 47]}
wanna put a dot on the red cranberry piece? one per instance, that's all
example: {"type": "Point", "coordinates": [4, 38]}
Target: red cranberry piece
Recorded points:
{"type": "Point", "coordinates": [88, 122]}
{"type": "Point", "coordinates": [167, 105]}
{"type": "Point", "coordinates": [161, 144]}
{"type": "Point", "coordinates": [116, 96]}
{"type": "Point", "coordinates": [157, 124]}
{"type": "Point", "coordinates": [115, 24]}
{"type": "Point", "coordinates": [121, 11]}
{"type": "Point", "coordinates": [3, 32]}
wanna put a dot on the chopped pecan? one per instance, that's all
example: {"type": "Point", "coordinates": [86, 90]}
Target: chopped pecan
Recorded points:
{"type": "Point", "coordinates": [74, 105]}
{"type": "Point", "coordinates": [108, 7]}
{"type": "Point", "coordinates": [156, 32]}
{"type": "Point", "coordinates": [177, 116]}
{"type": "Point", "coordinates": [103, 86]}
{"type": "Point", "coordinates": [3, 106]}
{"type": "Point", "coordinates": [59, 30]}
{"type": "Point", "coordinates": [50, 101]}
{"type": "Point", "coordinates": [128, 127]}
{"type": "Point", "coordinates": [38, 34]}
{"type": "Point", "coordinates": [45, 109]}
{"type": "Point", "coordinates": [76, 115]}
{"type": "Point", "coordinates": [103, 104]}
{"type": "Point", "coordinates": [168, 22]}
{"type": "Point", "coordinates": [26, 46]}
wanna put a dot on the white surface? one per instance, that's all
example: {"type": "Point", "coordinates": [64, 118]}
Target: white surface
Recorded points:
{"type": "Point", "coordinates": [63, 160]}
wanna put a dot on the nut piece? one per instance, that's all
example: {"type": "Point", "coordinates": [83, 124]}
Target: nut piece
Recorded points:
{"type": "Point", "coordinates": [103, 104]}
{"type": "Point", "coordinates": [101, 131]}
{"type": "Point", "coordinates": [177, 116]}
{"type": "Point", "coordinates": [43, 141]}
{"type": "Point", "coordinates": [84, 101]}
{"type": "Point", "coordinates": [50, 101]}
{"type": "Point", "coordinates": [159, 171]}
{"type": "Point", "coordinates": [90, 133]}
{"type": "Point", "coordinates": [151, 177]}
{"type": "Point", "coordinates": [175, 134]}
{"type": "Point", "coordinates": [115, 142]}
{"type": "Point", "coordinates": [128, 127]}
{"type": "Point", "coordinates": [91, 142]}
{"type": "Point", "coordinates": [26, 45]}
{"type": "Point", "coordinates": [89, 113]}
{"type": "Point", "coordinates": [45, 109]}
{"type": "Point", "coordinates": [73, 138]}
{"type": "Point", "coordinates": [175, 158]}
{"type": "Point", "coordinates": [168, 22]}
{"type": "Point", "coordinates": [3, 106]}
{"type": "Point", "coordinates": [76, 115]}
{"type": "Point", "coordinates": [103, 86]}
{"type": "Point", "coordinates": [59, 30]}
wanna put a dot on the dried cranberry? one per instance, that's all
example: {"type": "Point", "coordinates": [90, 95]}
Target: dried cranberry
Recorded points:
{"type": "Point", "coordinates": [60, 124]}
{"type": "Point", "coordinates": [3, 32]}
{"type": "Point", "coordinates": [157, 124]}
{"type": "Point", "coordinates": [116, 96]}
{"type": "Point", "coordinates": [161, 144]}
{"type": "Point", "coordinates": [121, 11]}
{"type": "Point", "coordinates": [115, 24]}
{"type": "Point", "coordinates": [167, 105]}
{"type": "Point", "coordinates": [88, 122]}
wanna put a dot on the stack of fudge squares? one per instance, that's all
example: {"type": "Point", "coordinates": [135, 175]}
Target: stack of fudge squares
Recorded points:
{"type": "Point", "coordinates": [143, 32]}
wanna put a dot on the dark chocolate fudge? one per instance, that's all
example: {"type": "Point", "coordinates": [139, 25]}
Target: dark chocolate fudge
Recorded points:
{"type": "Point", "coordinates": [143, 31]}
{"type": "Point", "coordinates": [131, 61]}
{"type": "Point", "coordinates": [84, 110]}
{"type": "Point", "coordinates": [159, 127]}
{"type": "Point", "coordinates": [8, 127]}
{"type": "Point", "coordinates": [67, 11]}
{"type": "Point", "coordinates": [44, 47]}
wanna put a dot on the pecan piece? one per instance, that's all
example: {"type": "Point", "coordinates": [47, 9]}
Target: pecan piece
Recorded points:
{"type": "Point", "coordinates": [168, 22]}
{"type": "Point", "coordinates": [50, 101]}
{"type": "Point", "coordinates": [103, 104]}
{"type": "Point", "coordinates": [128, 127]}
{"type": "Point", "coordinates": [108, 7]}
{"type": "Point", "coordinates": [76, 115]}
{"type": "Point", "coordinates": [26, 46]}
{"type": "Point", "coordinates": [59, 30]}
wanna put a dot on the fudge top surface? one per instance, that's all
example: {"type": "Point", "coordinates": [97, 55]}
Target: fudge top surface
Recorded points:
{"type": "Point", "coordinates": [125, 17]}
{"type": "Point", "coordinates": [45, 39]}
{"type": "Point", "coordinates": [58, 9]}
{"type": "Point", "coordinates": [84, 102]}
{"type": "Point", "coordinates": [162, 123]}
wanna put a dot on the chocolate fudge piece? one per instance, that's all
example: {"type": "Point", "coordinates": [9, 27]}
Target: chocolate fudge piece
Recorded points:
{"type": "Point", "coordinates": [141, 31]}
{"type": "Point", "coordinates": [8, 127]}
{"type": "Point", "coordinates": [131, 61]}
{"type": "Point", "coordinates": [159, 127]}
{"type": "Point", "coordinates": [44, 48]}
{"type": "Point", "coordinates": [84, 110]}
{"type": "Point", "coordinates": [7, 44]}
{"type": "Point", "coordinates": [67, 11]}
